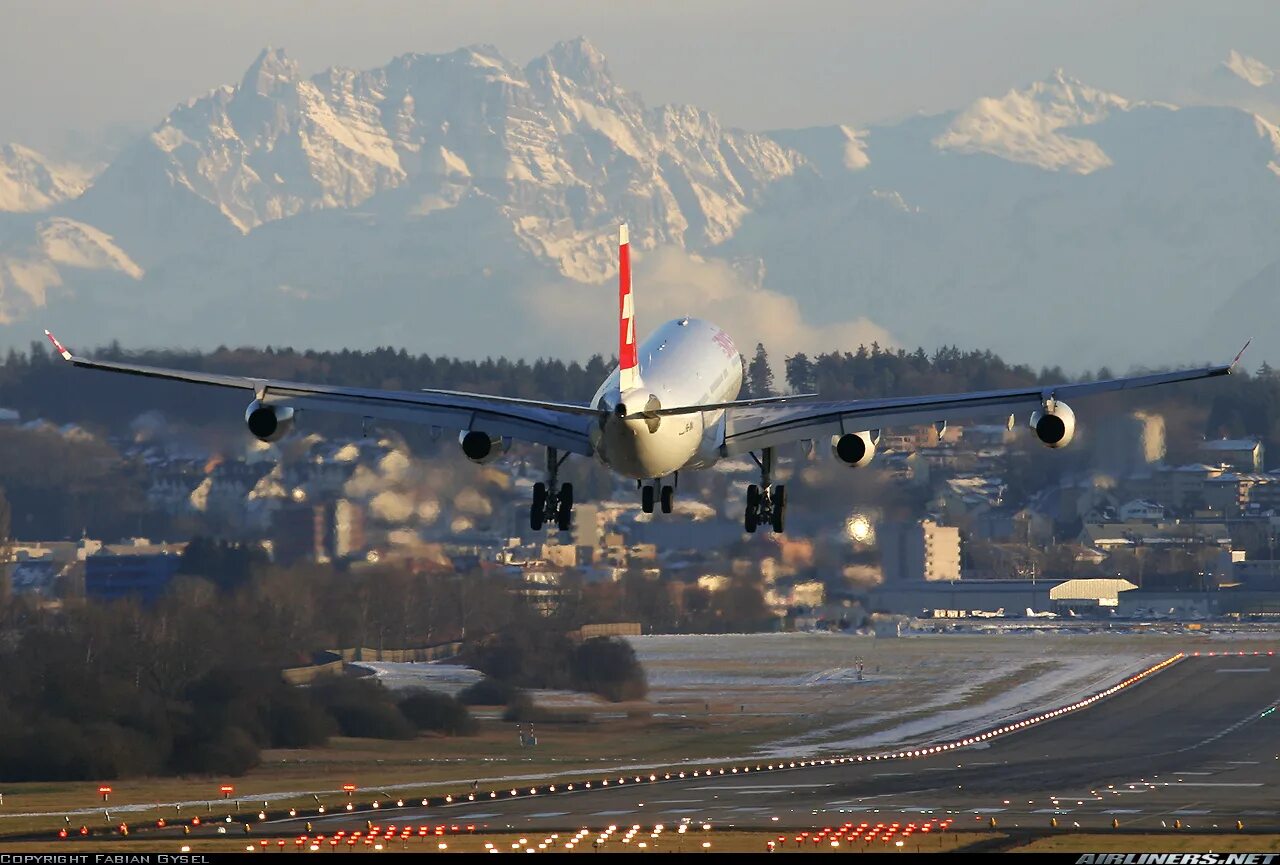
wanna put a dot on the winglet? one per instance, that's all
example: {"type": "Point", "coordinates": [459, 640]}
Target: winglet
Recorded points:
{"type": "Point", "coordinates": [59, 347]}
{"type": "Point", "coordinates": [1240, 353]}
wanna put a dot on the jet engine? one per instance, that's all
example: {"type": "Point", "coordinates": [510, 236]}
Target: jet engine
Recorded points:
{"type": "Point", "coordinates": [1054, 424]}
{"type": "Point", "coordinates": [855, 449]}
{"type": "Point", "coordinates": [480, 447]}
{"type": "Point", "coordinates": [269, 423]}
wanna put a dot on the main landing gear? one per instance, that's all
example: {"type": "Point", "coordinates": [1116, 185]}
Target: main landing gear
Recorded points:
{"type": "Point", "coordinates": [766, 504]}
{"type": "Point", "coordinates": [665, 493]}
{"type": "Point", "coordinates": [552, 501]}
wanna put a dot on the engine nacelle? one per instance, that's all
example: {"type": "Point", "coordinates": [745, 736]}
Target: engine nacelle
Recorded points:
{"type": "Point", "coordinates": [480, 447]}
{"type": "Point", "coordinates": [855, 449]}
{"type": "Point", "coordinates": [1055, 424]}
{"type": "Point", "coordinates": [269, 423]}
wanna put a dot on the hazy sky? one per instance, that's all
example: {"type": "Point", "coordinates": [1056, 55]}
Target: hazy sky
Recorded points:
{"type": "Point", "coordinates": [86, 64]}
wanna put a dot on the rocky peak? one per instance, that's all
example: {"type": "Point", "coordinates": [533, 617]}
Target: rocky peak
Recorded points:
{"type": "Point", "coordinates": [577, 61]}
{"type": "Point", "coordinates": [1065, 93]}
{"type": "Point", "coordinates": [270, 73]}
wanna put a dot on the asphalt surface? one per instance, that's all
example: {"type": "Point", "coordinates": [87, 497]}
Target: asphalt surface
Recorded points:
{"type": "Point", "coordinates": [1194, 743]}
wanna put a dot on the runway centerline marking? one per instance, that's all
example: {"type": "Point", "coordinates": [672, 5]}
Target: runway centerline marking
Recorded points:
{"type": "Point", "coordinates": [774, 787]}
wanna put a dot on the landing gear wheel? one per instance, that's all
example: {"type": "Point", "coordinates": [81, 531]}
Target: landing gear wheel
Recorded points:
{"type": "Point", "coordinates": [779, 508]}
{"type": "Point", "coordinates": [564, 514]}
{"type": "Point", "coordinates": [668, 498]}
{"type": "Point", "coordinates": [753, 509]}
{"type": "Point", "coordinates": [538, 510]}
{"type": "Point", "coordinates": [646, 498]}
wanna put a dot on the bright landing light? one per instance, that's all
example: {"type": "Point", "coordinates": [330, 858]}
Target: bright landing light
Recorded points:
{"type": "Point", "coordinates": [858, 528]}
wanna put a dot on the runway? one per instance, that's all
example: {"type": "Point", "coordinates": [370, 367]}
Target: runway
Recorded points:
{"type": "Point", "coordinates": [1197, 743]}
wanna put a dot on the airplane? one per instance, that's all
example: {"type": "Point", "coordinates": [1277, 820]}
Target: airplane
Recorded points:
{"type": "Point", "coordinates": [988, 614]}
{"type": "Point", "coordinates": [1032, 614]}
{"type": "Point", "coordinates": [670, 405]}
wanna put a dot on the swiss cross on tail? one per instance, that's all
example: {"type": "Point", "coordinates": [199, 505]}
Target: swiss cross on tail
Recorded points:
{"type": "Point", "coordinates": [628, 362]}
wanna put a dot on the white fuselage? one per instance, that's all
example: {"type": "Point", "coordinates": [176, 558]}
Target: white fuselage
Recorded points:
{"type": "Point", "coordinates": [685, 362]}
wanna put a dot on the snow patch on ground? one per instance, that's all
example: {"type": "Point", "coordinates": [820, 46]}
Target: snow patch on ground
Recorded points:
{"type": "Point", "coordinates": [1075, 679]}
{"type": "Point", "coordinates": [446, 678]}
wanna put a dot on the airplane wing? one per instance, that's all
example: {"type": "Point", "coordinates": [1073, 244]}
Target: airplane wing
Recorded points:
{"type": "Point", "coordinates": [558, 425]}
{"type": "Point", "coordinates": [754, 428]}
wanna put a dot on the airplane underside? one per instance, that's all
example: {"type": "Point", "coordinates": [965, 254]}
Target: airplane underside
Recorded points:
{"type": "Point", "coordinates": [654, 458]}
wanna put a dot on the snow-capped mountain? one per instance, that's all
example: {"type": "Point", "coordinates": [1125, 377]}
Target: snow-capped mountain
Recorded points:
{"type": "Point", "coordinates": [462, 203]}
{"type": "Point", "coordinates": [558, 144]}
{"type": "Point", "coordinates": [31, 271]}
{"type": "Point", "coordinates": [1044, 224]}
{"type": "Point", "coordinates": [1250, 70]}
{"type": "Point", "coordinates": [31, 182]}
{"type": "Point", "coordinates": [1241, 81]}
{"type": "Point", "coordinates": [1030, 126]}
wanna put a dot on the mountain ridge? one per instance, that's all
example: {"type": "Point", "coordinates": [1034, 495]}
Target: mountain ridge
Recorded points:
{"type": "Point", "coordinates": [439, 196]}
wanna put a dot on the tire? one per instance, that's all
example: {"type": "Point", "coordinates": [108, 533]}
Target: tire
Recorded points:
{"type": "Point", "coordinates": [646, 498]}
{"type": "Point", "coordinates": [752, 518]}
{"type": "Point", "coordinates": [779, 508]}
{"type": "Point", "coordinates": [668, 498]}
{"type": "Point", "coordinates": [564, 513]}
{"type": "Point", "coordinates": [538, 510]}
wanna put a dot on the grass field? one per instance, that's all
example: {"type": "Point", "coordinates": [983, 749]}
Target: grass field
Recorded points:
{"type": "Point", "coordinates": [712, 697]}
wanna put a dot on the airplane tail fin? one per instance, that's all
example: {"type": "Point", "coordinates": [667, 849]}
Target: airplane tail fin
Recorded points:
{"type": "Point", "coordinates": [628, 361]}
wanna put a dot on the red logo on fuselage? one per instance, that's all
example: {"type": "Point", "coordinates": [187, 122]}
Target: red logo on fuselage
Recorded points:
{"type": "Point", "coordinates": [722, 339]}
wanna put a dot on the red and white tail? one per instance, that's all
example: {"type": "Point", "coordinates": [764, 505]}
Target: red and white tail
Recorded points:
{"type": "Point", "coordinates": [628, 362]}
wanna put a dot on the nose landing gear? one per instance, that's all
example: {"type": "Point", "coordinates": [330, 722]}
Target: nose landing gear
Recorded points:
{"type": "Point", "coordinates": [766, 503]}
{"type": "Point", "coordinates": [552, 501]}
{"type": "Point", "coordinates": [665, 494]}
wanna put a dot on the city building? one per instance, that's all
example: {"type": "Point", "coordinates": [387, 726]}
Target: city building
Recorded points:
{"type": "Point", "coordinates": [919, 551]}
{"type": "Point", "coordinates": [1244, 455]}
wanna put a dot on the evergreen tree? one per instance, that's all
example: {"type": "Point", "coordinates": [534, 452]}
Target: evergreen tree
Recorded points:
{"type": "Point", "coordinates": [759, 375]}
{"type": "Point", "coordinates": [800, 373]}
